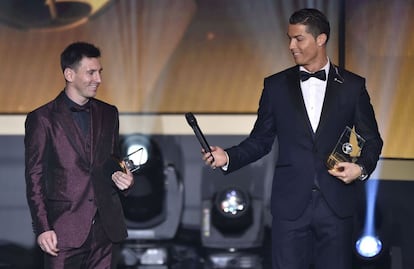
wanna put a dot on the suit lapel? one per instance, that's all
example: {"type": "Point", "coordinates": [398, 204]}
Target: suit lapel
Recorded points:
{"type": "Point", "coordinates": [297, 97]}
{"type": "Point", "coordinates": [96, 126]}
{"type": "Point", "coordinates": [334, 85]}
{"type": "Point", "coordinates": [64, 118]}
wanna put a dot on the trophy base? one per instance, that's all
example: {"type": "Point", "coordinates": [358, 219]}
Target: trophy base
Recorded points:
{"type": "Point", "coordinates": [120, 163]}
{"type": "Point", "coordinates": [335, 158]}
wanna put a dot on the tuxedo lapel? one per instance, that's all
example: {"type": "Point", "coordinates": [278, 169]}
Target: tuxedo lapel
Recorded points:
{"type": "Point", "coordinates": [297, 97]}
{"type": "Point", "coordinates": [334, 85]}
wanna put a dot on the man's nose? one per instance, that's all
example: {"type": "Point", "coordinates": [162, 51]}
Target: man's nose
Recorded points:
{"type": "Point", "coordinates": [98, 77]}
{"type": "Point", "coordinates": [292, 44]}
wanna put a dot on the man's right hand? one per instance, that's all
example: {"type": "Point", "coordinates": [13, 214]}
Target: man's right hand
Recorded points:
{"type": "Point", "coordinates": [47, 241]}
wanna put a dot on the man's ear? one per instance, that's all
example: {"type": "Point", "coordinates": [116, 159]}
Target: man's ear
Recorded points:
{"type": "Point", "coordinates": [321, 39]}
{"type": "Point", "coordinates": [68, 74]}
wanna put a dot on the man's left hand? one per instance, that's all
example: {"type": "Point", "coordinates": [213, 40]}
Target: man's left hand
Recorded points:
{"type": "Point", "coordinates": [123, 180]}
{"type": "Point", "coordinates": [345, 171]}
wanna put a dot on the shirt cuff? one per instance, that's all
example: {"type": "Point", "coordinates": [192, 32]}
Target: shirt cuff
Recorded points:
{"type": "Point", "coordinates": [226, 166]}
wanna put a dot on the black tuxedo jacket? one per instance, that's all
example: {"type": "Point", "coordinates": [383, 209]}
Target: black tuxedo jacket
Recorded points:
{"type": "Point", "coordinates": [302, 153]}
{"type": "Point", "coordinates": [67, 177]}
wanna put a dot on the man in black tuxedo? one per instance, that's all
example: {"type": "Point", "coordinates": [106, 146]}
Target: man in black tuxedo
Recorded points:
{"type": "Point", "coordinates": [307, 107]}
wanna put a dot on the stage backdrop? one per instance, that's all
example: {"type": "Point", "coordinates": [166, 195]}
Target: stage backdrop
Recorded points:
{"type": "Point", "coordinates": [204, 56]}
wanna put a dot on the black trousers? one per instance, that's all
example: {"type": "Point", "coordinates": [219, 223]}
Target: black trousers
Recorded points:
{"type": "Point", "coordinates": [317, 237]}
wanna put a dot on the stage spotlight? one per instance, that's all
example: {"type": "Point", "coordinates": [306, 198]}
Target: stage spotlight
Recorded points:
{"type": "Point", "coordinates": [146, 199]}
{"type": "Point", "coordinates": [232, 228]}
{"type": "Point", "coordinates": [231, 219]}
{"type": "Point", "coordinates": [154, 204]}
{"type": "Point", "coordinates": [140, 144]}
{"type": "Point", "coordinates": [371, 244]}
{"type": "Point", "coordinates": [232, 202]}
{"type": "Point", "coordinates": [232, 212]}
{"type": "Point", "coordinates": [368, 246]}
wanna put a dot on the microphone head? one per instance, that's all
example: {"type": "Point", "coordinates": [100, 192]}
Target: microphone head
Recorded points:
{"type": "Point", "coordinates": [191, 119]}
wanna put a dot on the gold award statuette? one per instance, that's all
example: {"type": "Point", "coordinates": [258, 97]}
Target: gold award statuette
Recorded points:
{"type": "Point", "coordinates": [128, 161]}
{"type": "Point", "coordinates": [347, 149]}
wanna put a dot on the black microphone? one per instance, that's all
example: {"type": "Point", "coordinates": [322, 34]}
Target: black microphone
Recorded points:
{"type": "Point", "coordinates": [193, 124]}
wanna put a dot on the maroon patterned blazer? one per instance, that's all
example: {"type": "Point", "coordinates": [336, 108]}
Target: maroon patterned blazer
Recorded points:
{"type": "Point", "coordinates": [68, 174]}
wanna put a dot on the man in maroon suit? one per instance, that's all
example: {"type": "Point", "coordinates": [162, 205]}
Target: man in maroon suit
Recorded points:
{"type": "Point", "coordinates": [72, 182]}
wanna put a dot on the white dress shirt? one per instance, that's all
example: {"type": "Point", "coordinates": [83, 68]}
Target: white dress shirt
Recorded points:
{"type": "Point", "coordinates": [313, 92]}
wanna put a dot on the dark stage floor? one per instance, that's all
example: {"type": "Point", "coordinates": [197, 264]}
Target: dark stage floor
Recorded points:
{"type": "Point", "coordinates": [185, 252]}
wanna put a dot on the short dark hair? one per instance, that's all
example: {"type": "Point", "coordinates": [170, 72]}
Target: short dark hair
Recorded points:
{"type": "Point", "coordinates": [74, 53]}
{"type": "Point", "coordinates": [315, 20]}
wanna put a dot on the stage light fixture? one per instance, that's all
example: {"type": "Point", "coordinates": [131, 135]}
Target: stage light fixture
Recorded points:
{"type": "Point", "coordinates": [232, 228]}
{"type": "Point", "coordinates": [232, 211]}
{"type": "Point", "coordinates": [233, 217]}
{"type": "Point", "coordinates": [154, 204]}
{"type": "Point", "coordinates": [233, 202]}
{"type": "Point", "coordinates": [145, 200]}
{"type": "Point", "coordinates": [371, 244]}
{"type": "Point", "coordinates": [368, 246]}
{"type": "Point", "coordinates": [140, 144]}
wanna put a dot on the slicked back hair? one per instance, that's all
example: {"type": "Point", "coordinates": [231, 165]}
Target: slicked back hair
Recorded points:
{"type": "Point", "coordinates": [314, 20]}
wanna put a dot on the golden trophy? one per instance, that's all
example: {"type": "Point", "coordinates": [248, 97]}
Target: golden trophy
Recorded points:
{"type": "Point", "coordinates": [347, 149]}
{"type": "Point", "coordinates": [128, 161]}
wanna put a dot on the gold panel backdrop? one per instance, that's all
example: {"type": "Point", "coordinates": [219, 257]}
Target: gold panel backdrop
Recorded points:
{"type": "Point", "coordinates": [205, 56]}
{"type": "Point", "coordinates": [380, 47]}
{"type": "Point", "coordinates": [159, 56]}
